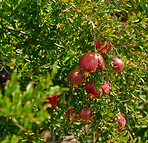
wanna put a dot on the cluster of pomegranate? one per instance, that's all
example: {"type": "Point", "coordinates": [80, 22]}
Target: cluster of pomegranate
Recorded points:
{"type": "Point", "coordinates": [4, 77]}
{"type": "Point", "coordinates": [90, 62]}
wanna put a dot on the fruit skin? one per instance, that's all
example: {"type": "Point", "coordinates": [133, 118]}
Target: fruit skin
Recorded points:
{"type": "Point", "coordinates": [91, 90]}
{"type": "Point", "coordinates": [53, 100]}
{"type": "Point", "coordinates": [121, 121]}
{"type": "Point", "coordinates": [76, 77]}
{"type": "Point", "coordinates": [101, 64]}
{"type": "Point", "coordinates": [69, 112]}
{"type": "Point", "coordinates": [119, 63]}
{"type": "Point", "coordinates": [105, 87]}
{"type": "Point", "coordinates": [85, 114]}
{"type": "Point", "coordinates": [89, 62]}
{"type": "Point", "coordinates": [102, 47]}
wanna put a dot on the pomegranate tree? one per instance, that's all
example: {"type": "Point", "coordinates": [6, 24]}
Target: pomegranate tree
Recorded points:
{"type": "Point", "coordinates": [118, 64]}
{"type": "Point", "coordinates": [85, 114]}
{"type": "Point", "coordinates": [76, 77]}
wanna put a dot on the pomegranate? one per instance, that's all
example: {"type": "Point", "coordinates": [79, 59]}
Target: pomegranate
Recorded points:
{"type": "Point", "coordinates": [76, 77]}
{"type": "Point", "coordinates": [70, 112]}
{"type": "Point", "coordinates": [85, 113]}
{"type": "Point", "coordinates": [53, 100]}
{"type": "Point", "coordinates": [119, 64]}
{"type": "Point", "coordinates": [91, 90]}
{"type": "Point", "coordinates": [102, 47]}
{"type": "Point", "coordinates": [89, 62]}
{"type": "Point", "coordinates": [101, 64]}
{"type": "Point", "coordinates": [121, 121]}
{"type": "Point", "coordinates": [105, 87]}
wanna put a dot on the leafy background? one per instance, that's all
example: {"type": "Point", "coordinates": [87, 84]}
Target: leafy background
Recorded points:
{"type": "Point", "coordinates": [42, 41]}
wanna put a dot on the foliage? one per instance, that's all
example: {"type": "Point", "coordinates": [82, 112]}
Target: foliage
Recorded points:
{"type": "Point", "coordinates": [42, 41]}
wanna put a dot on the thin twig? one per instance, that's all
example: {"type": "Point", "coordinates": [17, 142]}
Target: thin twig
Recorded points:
{"type": "Point", "coordinates": [53, 1]}
{"type": "Point", "coordinates": [19, 31]}
{"type": "Point", "coordinates": [58, 45]}
{"type": "Point", "coordinates": [95, 40]}
{"type": "Point", "coordinates": [73, 24]}
{"type": "Point", "coordinates": [130, 135]}
{"type": "Point", "coordinates": [18, 125]}
{"type": "Point", "coordinates": [115, 49]}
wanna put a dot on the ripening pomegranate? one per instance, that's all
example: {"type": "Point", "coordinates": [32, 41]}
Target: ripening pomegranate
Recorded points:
{"type": "Point", "coordinates": [119, 64]}
{"type": "Point", "coordinates": [91, 90]}
{"type": "Point", "coordinates": [102, 47]}
{"type": "Point", "coordinates": [85, 114]}
{"type": "Point", "coordinates": [101, 64]}
{"type": "Point", "coordinates": [76, 77]}
{"type": "Point", "coordinates": [121, 121]}
{"type": "Point", "coordinates": [89, 62]}
{"type": "Point", "coordinates": [69, 112]}
{"type": "Point", "coordinates": [105, 87]}
{"type": "Point", "coordinates": [53, 100]}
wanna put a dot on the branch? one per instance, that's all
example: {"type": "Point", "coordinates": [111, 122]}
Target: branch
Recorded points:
{"type": "Point", "coordinates": [130, 135]}
{"type": "Point", "coordinates": [53, 1]}
{"type": "Point", "coordinates": [94, 36]}
{"type": "Point", "coordinates": [73, 24]}
{"type": "Point", "coordinates": [19, 31]}
{"type": "Point", "coordinates": [18, 125]}
{"type": "Point", "coordinates": [115, 49]}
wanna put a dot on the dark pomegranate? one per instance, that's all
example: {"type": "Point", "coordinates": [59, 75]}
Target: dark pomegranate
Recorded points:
{"type": "Point", "coordinates": [119, 64]}
{"type": "Point", "coordinates": [121, 121]}
{"type": "Point", "coordinates": [105, 87]}
{"type": "Point", "coordinates": [76, 77]}
{"type": "Point", "coordinates": [69, 112]}
{"type": "Point", "coordinates": [85, 114]}
{"type": "Point", "coordinates": [4, 77]}
{"type": "Point", "coordinates": [102, 47]}
{"type": "Point", "coordinates": [101, 64]}
{"type": "Point", "coordinates": [91, 90]}
{"type": "Point", "coordinates": [53, 100]}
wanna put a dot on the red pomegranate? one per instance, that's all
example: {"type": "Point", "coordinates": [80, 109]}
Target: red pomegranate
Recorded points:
{"type": "Point", "coordinates": [119, 64]}
{"type": "Point", "coordinates": [105, 87]}
{"type": "Point", "coordinates": [101, 64]}
{"type": "Point", "coordinates": [121, 121]}
{"type": "Point", "coordinates": [76, 77]}
{"type": "Point", "coordinates": [69, 112]}
{"type": "Point", "coordinates": [85, 114]}
{"type": "Point", "coordinates": [89, 62]}
{"type": "Point", "coordinates": [91, 90]}
{"type": "Point", "coordinates": [53, 100]}
{"type": "Point", "coordinates": [102, 47]}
